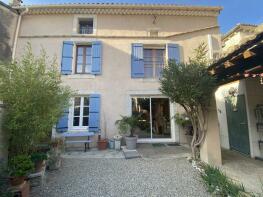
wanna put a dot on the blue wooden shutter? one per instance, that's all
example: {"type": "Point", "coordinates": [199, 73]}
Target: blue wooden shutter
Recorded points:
{"type": "Point", "coordinates": [173, 52]}
{"type": "Point", "coordinates": [137, 64]}
{"type": "Point", "coordinates": [62, 125]}
{"type": "Point", "coordinates": [94, 112]}
{"type": "Point", "coordinates": [96, 57]}
{"type": "Point", "coordinates": [67, 56]}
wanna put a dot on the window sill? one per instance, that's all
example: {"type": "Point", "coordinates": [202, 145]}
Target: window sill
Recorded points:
{"type": "Point", "coordinates": [148, 79]}
{"type": "Point", "coordinates": [81, 76]}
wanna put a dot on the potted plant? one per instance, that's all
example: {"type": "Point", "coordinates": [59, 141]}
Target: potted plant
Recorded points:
{"type": "Point", "coordinates": [102, 143]}
{"type": "Point", "coordinates": [39, 159]}
{"type": "Point", "coordinates": [19, 167]}
{"type": "Point", "coordinates": [54, 160]}
{"type": "Point", "coordinates": [128, 124]}
{"type": "Point", "coordinates": [184, 121]}
{"type": "Point", "coordinates": [117, 142]}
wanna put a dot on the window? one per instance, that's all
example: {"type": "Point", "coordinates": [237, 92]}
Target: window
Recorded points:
{"type": "Point", "coordinates": [153, 62]}
{"type": "Point", "coordinates": [83, 59]}
{"type": "Point", "coordinates": [154, 116]}
{"type": "Point", "coordinates": [81, 112]}
{"type": "Point", "coordinates": [86, 26]}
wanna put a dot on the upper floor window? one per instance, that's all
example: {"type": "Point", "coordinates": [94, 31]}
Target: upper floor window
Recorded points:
{"type": "Point", "coordinates": [154, 60]}
{"type": "Point", "coordinates": [83, 59]}
{"type": "Point", "coordinates": [86, 26]}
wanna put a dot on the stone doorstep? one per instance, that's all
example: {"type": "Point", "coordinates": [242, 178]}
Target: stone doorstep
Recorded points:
{"type": "Point", "coordinates": [130, 154]}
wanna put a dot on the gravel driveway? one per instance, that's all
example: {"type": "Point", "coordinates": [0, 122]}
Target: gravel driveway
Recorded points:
{"type": "Point", "coordinates": [86, 177]}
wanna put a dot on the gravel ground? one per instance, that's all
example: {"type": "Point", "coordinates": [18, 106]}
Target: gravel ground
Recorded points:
{"type": "Point", "coordinates": [119, 177]}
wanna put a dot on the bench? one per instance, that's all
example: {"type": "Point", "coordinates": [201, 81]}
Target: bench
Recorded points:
{"type": "Point", "coordinates": [72, 134]}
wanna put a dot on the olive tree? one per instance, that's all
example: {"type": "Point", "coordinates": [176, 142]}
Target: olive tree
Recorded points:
{"type": "Point", "coordinates": [190, 85]}
{"type": "Point", "coordinates": [34, 99]}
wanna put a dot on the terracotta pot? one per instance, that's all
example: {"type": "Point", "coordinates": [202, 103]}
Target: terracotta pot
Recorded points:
{"type": "Point", "coordinates": [39, 165]}
{"type": "Point", "coordinates": [17, 180]}
{"type": "Point", "coordinates": [102, 144]}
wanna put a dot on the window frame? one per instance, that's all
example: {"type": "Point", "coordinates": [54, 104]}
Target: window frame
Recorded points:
{"type": "Point", "coordinates": [85, 46]}
{"type": "Point", "coordinates": [81, 114]}
{"type": "Point", "coordinates": [79, 17]}
{"type": "Point", "coordinates": [154, 67]}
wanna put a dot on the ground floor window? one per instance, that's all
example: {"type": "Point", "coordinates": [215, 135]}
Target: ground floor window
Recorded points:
{"type": "Point", "coordinates": [155, 117]}
{"type": "Point", "coordinates": [81, 112]}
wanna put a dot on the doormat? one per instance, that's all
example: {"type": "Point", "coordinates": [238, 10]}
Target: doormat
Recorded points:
{"type": "Point", "coordinates": [158, 145]}
{"type": "Point", "coordinates": [173, 144]}
{"type": "Point", "coordinates": [131, 154]}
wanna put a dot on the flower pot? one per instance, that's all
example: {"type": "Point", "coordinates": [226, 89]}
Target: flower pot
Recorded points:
{"type": "Point", "coordinates": [102, 144]}
{"type": "Point", "coordinates": [17, 180]}
{"type": "Point", "coordinates": [39, 165]}
{"type": "Point", "coordinates": [117, 144]}
{"type": "Point", "coordinates": [111, 144]}
{"type": "Point", "coordinates": [131, 142]}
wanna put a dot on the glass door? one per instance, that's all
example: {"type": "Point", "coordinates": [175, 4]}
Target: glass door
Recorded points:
{"type": "Point", "coordinates": [154, 117]}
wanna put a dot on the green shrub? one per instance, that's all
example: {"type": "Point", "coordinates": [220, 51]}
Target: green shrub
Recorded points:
{"type": "Point", "coordinates": [38, 156]}
{"type": "Point", "coordinates": [20, 165]}
{"type": "Point", "coordinates": [34, 98]}
{"type": "Point", "coordinates": [218, 183]}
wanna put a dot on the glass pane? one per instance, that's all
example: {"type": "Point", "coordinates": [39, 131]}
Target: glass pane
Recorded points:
{"type": "Point", "coordinates": [79, 68]}
{"type": "Point", "coordinates": [141, 107]}
{"type": "Point", "coordinates": [85, 111]}
{"type": "Point", "coordinates": [88, 59]}
{"type": "Point", "coordinates": [88, 51]}
{"type": "Point", "coordinates": [76, 121]}
{"type": "Point", "coordinates": [148, 71]}
{"type": "Point", "coordinates": [77, 101]}
{"type": "Point", "coordinates": [86, 101]}
{"type": "Point", "coordinates": [76, 111]}
{"type": "Point", "coordinates": [87, 68]}
{"type": "Point", "coordinates": [161, 127]}
{"type": "Point", "coordinates": [80, 60]}
{"type": "Point", "coordinates": [85, 121]}
{"type": "Point", "coordinates": [80, 50]}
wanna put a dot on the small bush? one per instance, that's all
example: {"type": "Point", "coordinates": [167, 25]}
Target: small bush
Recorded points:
{"type": "Point", "coordinates": [38, 156]}
{"type": "Point", "coordinates": [218, 183]}
{"type": "Point", "coordinates": [20, 165]}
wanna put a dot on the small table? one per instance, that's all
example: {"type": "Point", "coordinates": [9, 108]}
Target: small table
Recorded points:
{"type": "Point", "coordinates": [79, 134]}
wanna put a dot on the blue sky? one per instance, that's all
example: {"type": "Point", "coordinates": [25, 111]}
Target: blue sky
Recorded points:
{"type": "Point", "coordinates": [235, 11]}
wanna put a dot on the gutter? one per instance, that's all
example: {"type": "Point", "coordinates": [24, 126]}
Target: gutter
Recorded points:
{"type": "Point", "coordinates": [17, 32]}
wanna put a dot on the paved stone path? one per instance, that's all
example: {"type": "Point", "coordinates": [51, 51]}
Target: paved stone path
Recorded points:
{"type": "Point", "coordinates": [85, 176]}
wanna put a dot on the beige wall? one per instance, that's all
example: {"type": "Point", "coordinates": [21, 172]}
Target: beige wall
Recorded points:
{"type": "Point", "coordinates": [115, 84]}
{"type": "Point", "coordinates": [246, 87]}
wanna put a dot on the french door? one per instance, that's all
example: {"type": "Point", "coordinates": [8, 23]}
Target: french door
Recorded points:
{"type": "Point", "coordinates": [154, 115]}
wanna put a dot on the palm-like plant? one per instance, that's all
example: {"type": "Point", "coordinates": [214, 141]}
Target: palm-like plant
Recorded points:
{"type": "Point", "coordinates": [128, 124]}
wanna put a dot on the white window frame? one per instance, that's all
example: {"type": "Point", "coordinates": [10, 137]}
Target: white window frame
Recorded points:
{"type": "Point", "coordinates": [84, 16]}
{"type": "Point", "coordinates": [71, 118]}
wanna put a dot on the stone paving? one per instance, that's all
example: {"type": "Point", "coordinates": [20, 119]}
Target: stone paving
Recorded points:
{"type": "Point", "coordinates": [107, 173]}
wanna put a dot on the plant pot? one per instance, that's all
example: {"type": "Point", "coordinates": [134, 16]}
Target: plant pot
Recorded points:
{"type": "Point", "coordinates": [111, 144]}
{"type": "Point", "coordinates": [39, 165]}
{"type": "Point", "coordinates": [17, 180]}
{"type": "Point", "coordinates": [117, 144]}
{"type": "Point", "coordinates": [131, 142]}
{"type": "Point", "coordinates": [102, 144]}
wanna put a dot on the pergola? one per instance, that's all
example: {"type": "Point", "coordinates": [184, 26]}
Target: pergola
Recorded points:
{"type": "Point", "coordinates": [245, 61]}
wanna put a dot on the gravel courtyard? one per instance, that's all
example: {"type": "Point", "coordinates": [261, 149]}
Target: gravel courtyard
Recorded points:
{"type": "Point", "coordinates": [86, 177]}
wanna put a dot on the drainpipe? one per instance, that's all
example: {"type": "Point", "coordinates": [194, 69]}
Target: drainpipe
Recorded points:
{"type": "Point", "coordinates": [17, 32]}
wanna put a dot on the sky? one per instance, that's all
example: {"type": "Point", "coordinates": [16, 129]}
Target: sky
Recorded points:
{"type": "Point", "coordinates": [234, 11]}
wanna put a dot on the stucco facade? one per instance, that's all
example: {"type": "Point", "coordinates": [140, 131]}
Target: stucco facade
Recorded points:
{"type": "Point", "coordinates": [117, 32]}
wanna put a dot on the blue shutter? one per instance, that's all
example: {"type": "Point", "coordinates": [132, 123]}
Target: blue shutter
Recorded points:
{"type": "Point", "coordinates": [62, 125]}
{"type": "Point", "coordinates": [94, 112]}
{"type": "Point", "coordinates": [173, 52]}
{"type": "Point", "coordinates": [96, 57]}
{"type": "Point", "coordinates": [137, 64]}
{"type": "Point", "coordinates": [67, 56]}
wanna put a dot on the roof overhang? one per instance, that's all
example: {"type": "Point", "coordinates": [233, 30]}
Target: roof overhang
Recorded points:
{"type": "Point", "coordinates": [123, 9]}
{"type": "Point", "coordinates": [246, 61]}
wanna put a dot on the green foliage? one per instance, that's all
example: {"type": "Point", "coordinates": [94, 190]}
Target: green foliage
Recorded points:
{"type": "Point", "coordinates": [188, 84]}
{"type": "Point", "coordinates": [128, 123]}
{"type": "Point", "coordinates": [200, 54]}
{"type": "Point", "coordinates": [218, 183]}
{"type": "Point", "coordinates": [20, 165]}
{"type": "Point", "coordinates": [4, 182]}
{"type": "Point", "coordinates": [38, 156]}
{"type": "Point", "coordinates": [182, 119]}
{"type": "Point", "coordinates": [34, 100]}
